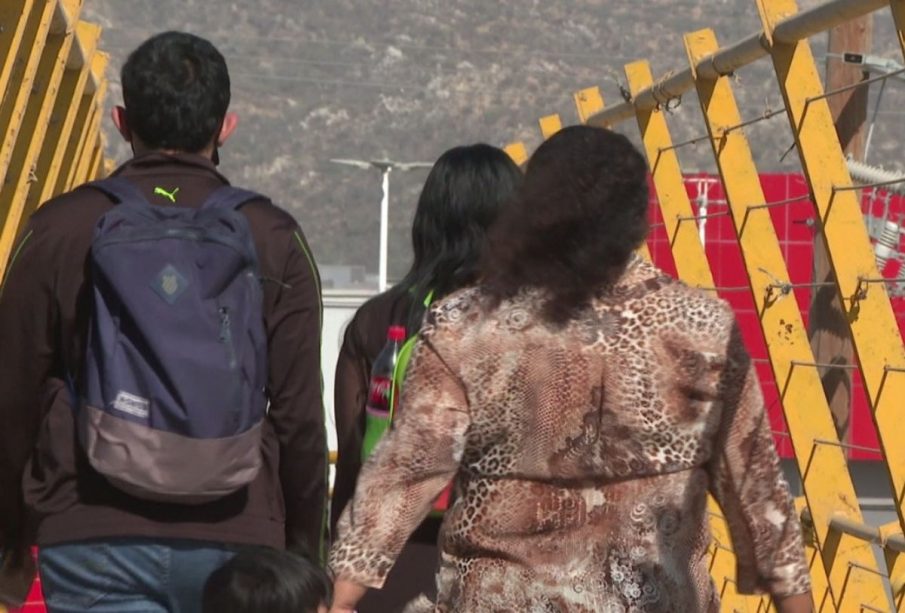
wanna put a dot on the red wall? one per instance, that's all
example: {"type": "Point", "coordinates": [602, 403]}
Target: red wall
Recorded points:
{"type": "Point", "coordinates": [796, 239]}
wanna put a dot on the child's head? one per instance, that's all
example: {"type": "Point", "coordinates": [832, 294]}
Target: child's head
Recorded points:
{"type": "Point", "coordinates": [258, 580]}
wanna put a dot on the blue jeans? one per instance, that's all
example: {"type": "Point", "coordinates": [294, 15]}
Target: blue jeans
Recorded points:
{"type": "Point", "coordinates": [128, 575]}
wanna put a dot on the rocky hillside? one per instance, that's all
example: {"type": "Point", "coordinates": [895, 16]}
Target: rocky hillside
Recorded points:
{"type": "Point", "coordinates": [406, 79]}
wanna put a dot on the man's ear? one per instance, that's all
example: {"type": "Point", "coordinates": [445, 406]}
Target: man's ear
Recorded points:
{"type": "Point", "coordinates": [230, 123]}
{"type": "Point", "coordinates": [122, 126]}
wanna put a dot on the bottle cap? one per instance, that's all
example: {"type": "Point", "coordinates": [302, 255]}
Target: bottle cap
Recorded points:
{"type": "Point", "coordinates": [396, 333]}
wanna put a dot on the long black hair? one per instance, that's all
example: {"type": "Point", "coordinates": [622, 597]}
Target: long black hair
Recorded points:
{"type": "Point", "coordinates": [461, 198]}
{"type": "Point", "coordinates": [578, 217]}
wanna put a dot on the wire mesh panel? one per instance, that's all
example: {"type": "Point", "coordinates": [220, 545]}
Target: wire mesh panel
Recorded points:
{"type": "Point", "coordinates": [750, 237]}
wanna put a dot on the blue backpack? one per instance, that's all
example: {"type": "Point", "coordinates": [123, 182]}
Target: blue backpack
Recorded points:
{"type": "Point", "coordinates": [171, 397]}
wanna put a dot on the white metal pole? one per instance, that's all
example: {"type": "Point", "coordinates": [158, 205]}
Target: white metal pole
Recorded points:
{"type": "Point", "coordinates": [384, 229]}
{"type": "Point", "coordinates": [703, 205]}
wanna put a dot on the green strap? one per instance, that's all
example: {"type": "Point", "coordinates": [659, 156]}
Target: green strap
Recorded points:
{"type": "Point", "coordinates": [402, 360]}
{"type": "Point", "coordinates": [402, 363]}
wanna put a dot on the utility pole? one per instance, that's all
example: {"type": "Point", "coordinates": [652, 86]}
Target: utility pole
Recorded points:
{"type": "Point", "coordinates": [829, 331]}
{"type": "Point", "coordinates": [385, 167]}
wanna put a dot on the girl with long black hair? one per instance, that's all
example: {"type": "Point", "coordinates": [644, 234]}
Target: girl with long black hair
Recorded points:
{"type": "Point", "coordinates": [461, 198]}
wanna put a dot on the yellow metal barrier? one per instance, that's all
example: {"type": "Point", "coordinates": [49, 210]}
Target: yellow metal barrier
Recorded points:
{"type": "Point", "coordinates": [846, 574]}
{"type": "Point", "coordinates": [52, 83]}
{"type": "Point", "coordinates": [807, 412]}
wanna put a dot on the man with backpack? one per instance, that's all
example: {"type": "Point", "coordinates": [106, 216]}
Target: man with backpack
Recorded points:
{"type": "Point", "coordinates": [160, 379]}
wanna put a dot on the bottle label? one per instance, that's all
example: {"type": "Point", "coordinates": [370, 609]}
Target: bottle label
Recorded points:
{"type": "Point", "coordinates": [379, 395]}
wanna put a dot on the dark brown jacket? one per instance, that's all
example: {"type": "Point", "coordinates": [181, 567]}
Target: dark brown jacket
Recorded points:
{"type": "Point", "coordinates": [44, 477]}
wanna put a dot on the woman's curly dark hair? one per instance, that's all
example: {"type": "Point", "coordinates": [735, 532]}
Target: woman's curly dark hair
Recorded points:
{"type": "Point", "coordinates": [571, 230]}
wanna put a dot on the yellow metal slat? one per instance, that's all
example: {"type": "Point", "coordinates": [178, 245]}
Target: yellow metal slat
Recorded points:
{"type": "Point", "coordinates": [12, 111]}
{"type": "Point", "coordinates": [517, 152]}
{"type": "Point", "coordinates": [13, 18]}
{"type": "Point", "coordinates": [588, 102]}
{"type": "Point", "coordinates": [64, 115]}
{"type": "Point", "coordinates": [825, 477]}
{"type": "Point", "coordinates": [550, 125]}
{"type": "Point", "coordinates": [20, 174]}
{"type": "Point", "coordinates": [823, 599]}
{"type": "Point", "coordinates": [691, 261]}
{"type": "Point", "coordinates": [70, 154]}
{"type": "Point", "coordinates": [687, 250]}
{"type": "Point", "coordinates": [94, 168]}
{"type": "Point", "coordinates": [86, 149]}
{"type": "Point", "coordinates": [79, 136]}
{"type": "Point", "coordinates": [875, 333]}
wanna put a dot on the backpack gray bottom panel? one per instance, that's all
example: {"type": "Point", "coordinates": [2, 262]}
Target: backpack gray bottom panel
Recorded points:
{"type": "Point", "coordinates": [166, 467]}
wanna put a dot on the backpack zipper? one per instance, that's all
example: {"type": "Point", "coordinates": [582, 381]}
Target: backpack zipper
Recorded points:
{"type": "Point", "coordinates": [226, 337]}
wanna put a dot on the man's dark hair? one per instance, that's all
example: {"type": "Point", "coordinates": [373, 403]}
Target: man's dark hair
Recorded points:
{"type": "Point", "coordinates": [176, 92]}
{"type": "Point", "coordinates": [461, 197]}
{"type": "Point", "coordinates": [267, 580]}
{"type": "Point", "coordinates": [579, 216]}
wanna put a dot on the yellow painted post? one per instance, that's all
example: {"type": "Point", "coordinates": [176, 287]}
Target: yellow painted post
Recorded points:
{"type": "Point", "coordinates": [826, 480]}
{"type": "Point", "coordinates": [517, 152]}
{"type": "Point", "coordinates": [20, 173]}
{"type": "Point", "coordinates": [13, 18]}
{"type": "Point", "coordinates": [95, 168]}
{"type": "Point", "coordinates": [550, 125]}
{"type": "Point", "coordinates": [688, 252]}
{"type": "Point", "coordinates": [875, 333]}
{"type": "Point", "coordinates": [86, 150]}
{"type": "Point", "coordinates": [13, 107]}
{"type": "Point", "coordinates": [64, 113]}
{"type": "Point", "coordinates": [78, 138]}
{"type": "Point", "coordinates": [823, 599]}
{"type": "Point", "coordinates": [588, 102]}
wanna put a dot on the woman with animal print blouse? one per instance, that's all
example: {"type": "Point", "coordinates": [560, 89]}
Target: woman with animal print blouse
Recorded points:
{"type": "Point", "coordinates": [585, 404]}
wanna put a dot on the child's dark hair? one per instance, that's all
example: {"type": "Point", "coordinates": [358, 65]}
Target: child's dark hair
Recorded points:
{"type": "Point", "coordinates": [267, 580]}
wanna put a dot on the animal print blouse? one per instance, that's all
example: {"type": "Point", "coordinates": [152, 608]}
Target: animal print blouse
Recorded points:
{"type": "Point", "coordinates": [582, 456]}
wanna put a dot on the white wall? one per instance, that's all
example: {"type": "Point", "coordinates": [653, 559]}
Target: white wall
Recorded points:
{"type": "Point", "coordinates": [339, 307]}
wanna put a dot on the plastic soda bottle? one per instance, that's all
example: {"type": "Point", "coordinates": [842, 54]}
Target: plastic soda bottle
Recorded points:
{"type": "Point", "coordinates": [378, 414]}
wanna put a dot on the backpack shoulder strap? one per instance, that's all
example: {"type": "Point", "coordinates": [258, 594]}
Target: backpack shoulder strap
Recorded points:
{"type": "Point", "coordinates": [120, 190]}
{"type": "Point", "coordinates": [402, 364]}
{"type": "Point", "coordinates": [230, 198]}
